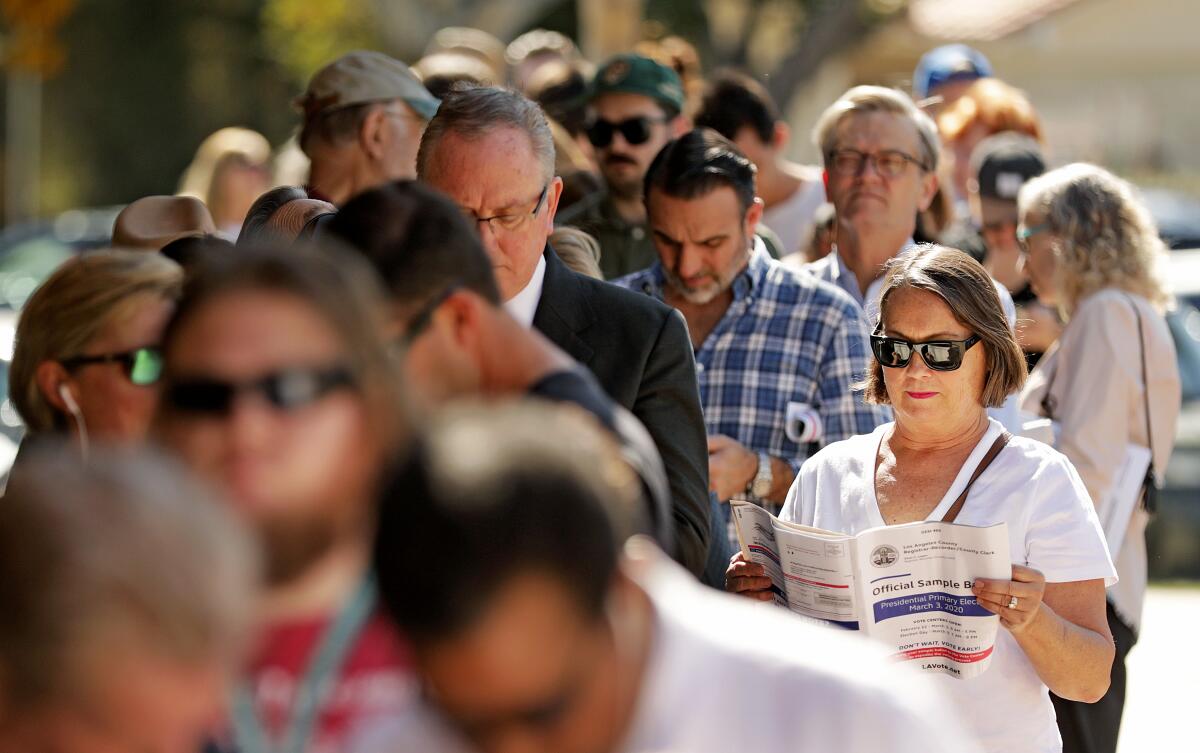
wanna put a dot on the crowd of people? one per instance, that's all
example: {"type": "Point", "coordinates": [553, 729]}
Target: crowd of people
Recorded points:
{"type": "Point", "coordinates": [432, 447]}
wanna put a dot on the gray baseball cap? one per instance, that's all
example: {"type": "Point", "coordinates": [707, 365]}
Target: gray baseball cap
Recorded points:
{"type": "Point", "coordinates": [365, 76]}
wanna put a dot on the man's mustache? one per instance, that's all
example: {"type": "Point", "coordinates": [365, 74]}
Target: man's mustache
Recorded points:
{"type": "Point", "coordinates": [617, 159]}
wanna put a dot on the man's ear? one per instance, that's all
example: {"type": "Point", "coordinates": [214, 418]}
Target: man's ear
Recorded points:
{"type": "Point", "coordinates": [680, 124]}
{"type": "Point", "coordinates": [781, 136]}
{"type": "Point", "coordinates": [753, 216]}
{"type": "Point", "coordinates": [929, 189]}
{"type": "Point", "coordinates": [51, 377]}
{"type": "Point", "coordinates": [553, 196]}
{"type": "Point", "coordinates": [373, 135]}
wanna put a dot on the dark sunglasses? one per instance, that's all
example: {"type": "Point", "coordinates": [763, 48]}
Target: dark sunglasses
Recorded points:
{"type": "Point", "coordinates": [634, 130]}
{"type": "Point", "coordinates": [286, 390]}
{"type": "Point", "coordinates": [143, 366]}
{"type": "Point", "coordinates": [939, 355]}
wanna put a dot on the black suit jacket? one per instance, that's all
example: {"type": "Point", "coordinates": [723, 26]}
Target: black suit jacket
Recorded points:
{"type": "Point", "coordinates": [640, 352]}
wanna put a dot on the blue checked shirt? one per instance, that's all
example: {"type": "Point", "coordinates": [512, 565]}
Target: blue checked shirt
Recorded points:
{"type": "Point", "coordinates": [786, 338]}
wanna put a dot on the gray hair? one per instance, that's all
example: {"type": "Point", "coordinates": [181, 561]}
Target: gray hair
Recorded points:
{"type": "Point", "coordinates": [124, 552]}
{"type": "Point", "coordinates": [1102, 233]}
{"type": "Point", "coordinates": [867, 99]}
{"type": "Point", "coordinates": [472, 112]}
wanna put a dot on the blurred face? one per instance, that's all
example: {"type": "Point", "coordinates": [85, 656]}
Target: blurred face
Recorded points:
{"type": "Point", "coordinates": [866, 199]}
{"type": "Point", "coordinates": [498, 176]}
{"type": "Point", "coordinates": [923, 398]}
{"type": "Point", "coordinates": [703, 243]}
{"type": "Point", "coordinates": [960, 155]}
{"type": "Point", "coordinates": [113, 407]}
{"type": "Point", "coordinates": [622, 162]}
{"type": "Point", "coordinates": [1041, 258]}
{"type": "Point", "coordinates": [997, 221]}
{"type": "Point", "coordinates": [136, 702]}
{"type": "Point", "coordinates": [534, 674]}
{"type": "Point", "coordinates": [756, 150]}
{"type": "Point", "coordinates": [301, 472]}
{"type": "Point", "coordinates": [237, 183]}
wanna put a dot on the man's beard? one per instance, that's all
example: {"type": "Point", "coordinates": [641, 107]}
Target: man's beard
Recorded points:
{"type": "Point", "coordinates": [699, 296]}
{"type": "Point", "coordinates": [622, 187]}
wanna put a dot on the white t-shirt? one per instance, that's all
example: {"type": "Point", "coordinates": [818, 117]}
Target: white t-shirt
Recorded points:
{"type": "Point", "coordinates": [792, 218]}
{"type": "Point", "coordinates": [713, 684]}
{"type": "Point", "coordinates": [1052, 527]}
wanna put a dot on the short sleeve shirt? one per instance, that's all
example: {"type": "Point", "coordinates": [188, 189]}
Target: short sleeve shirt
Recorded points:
{"type": "Point", "coordinates": [1052, 527]}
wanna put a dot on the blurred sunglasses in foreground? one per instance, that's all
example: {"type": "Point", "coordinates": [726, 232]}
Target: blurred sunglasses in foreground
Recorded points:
{"type": "Point", "coordinates": [939, 355]}
{"type": "Point", "coordinates": [285, 390]}
{"type": "Point", "coordinates": [143, 366]}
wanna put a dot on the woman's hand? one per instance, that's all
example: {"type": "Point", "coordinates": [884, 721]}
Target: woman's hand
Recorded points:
{"type": "Point", "coordinates": [1024, 593]}
{"type": "Point", "coordinates": [748, 579]}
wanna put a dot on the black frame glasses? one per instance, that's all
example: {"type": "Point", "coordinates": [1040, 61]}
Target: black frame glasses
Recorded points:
{"type": "Point", "coordinates": [511, 222]}
{"type": "Point", "coordinates": [143, 366]}
{"type": "Point", "coordinates": [285, 390]}
{"type": "Point", "coordinates": [635, 131]}
{"type": "Point", "coordinates": [890, 163]}
{"type": "Point", "coordinates": [939, 355]}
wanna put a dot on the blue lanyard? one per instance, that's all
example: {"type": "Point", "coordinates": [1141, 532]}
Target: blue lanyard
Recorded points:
{"type": "Point", "coordinates": [250, 734]}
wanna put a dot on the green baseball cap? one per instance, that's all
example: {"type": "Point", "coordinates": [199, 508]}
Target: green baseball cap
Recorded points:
{"type": "Point", "coordinates": [635, 74]}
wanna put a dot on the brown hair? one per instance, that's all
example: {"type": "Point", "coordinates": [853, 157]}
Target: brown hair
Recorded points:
{"type": "Point", "coordinates": [994, 104]}
{"type": "Point", "coordinates": [125, 552]}
{"type": "Point", "coordinates": [72, 307]}
{"type": "Point", "coordinates": [967, 289]}
{"type": "Point", "coordinates": [341, 287]}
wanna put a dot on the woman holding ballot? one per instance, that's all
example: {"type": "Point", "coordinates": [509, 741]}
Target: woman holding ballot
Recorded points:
{"type": "Point", "coordinates": [944, 352]}
{"type": "Point", "coordinates": [1110, 384]}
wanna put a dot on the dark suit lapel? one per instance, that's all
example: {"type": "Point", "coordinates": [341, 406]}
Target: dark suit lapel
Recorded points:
{"type": "Point", "coordinates": [564, 310]}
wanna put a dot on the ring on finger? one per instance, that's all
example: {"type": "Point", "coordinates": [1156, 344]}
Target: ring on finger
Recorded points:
{"type": "Point", "coordinates": [1012, 602]}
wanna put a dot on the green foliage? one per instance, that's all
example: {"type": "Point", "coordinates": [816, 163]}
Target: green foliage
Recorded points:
{"type": "Point", "coordinates": [302, 35]}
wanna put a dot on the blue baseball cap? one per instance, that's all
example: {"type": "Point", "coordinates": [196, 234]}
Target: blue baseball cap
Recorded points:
{"type": "Point", "coordinates": [951, 62]}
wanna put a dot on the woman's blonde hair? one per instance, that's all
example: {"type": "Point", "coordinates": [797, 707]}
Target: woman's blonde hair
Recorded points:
{"type": "Point", "coordinates": [74, 305]}
{"type": "Point", "coordinates": [199, 180]}
{"type": "Point", "coordinates": [967, 289]}
{"type": "Point", "coordinates": [1103, 235]}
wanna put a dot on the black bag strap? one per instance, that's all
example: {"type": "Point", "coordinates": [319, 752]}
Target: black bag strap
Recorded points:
{"type": "Point", "coordinates": [992, 452]}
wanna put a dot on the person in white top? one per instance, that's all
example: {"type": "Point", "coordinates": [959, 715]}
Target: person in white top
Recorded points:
{"type": "Point", "coordinates": [541, 629]}
{"type": "Point", "coordinates": [938, 304]}
{"type": "Point", "coordinates": [1112, 379]}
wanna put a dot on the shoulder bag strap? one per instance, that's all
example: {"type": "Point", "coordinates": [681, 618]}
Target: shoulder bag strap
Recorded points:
{"type": "Point", "coordinates": [995, 449]}
{"type": "Point", "coordinates": [1150, 485]}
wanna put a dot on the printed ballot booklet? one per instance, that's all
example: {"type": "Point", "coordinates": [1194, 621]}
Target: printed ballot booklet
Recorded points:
{"type": "Point", "coordinates": [908, 586]}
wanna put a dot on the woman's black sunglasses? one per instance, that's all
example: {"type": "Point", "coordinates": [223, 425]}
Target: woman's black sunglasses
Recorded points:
{"type": "Point", "coordinates": [939, 355]}
{"type": "Point", "coordinates": [634, 130]}
{"type": "Point", "coordinates": [143, 366]}
{"type": "Point", "coordinates": [285, 390]}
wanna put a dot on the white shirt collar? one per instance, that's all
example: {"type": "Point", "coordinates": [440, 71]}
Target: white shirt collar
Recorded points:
{"type": "Point", "coordinates": [523, 305]}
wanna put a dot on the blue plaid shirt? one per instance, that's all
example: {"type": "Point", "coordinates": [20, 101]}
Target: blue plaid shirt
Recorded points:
{"type": "Point", "coordinates": [786, 338]}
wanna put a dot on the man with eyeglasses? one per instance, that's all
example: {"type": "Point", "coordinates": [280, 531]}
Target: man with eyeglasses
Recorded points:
{"type": "Point", "coordinates": [363, 115]}
{"type": "Point", "coordinates": [881, 156]}
{"type": "Point", "coordinates": [491, 151]}
{"type": "Point", "coordinates": [634, 108]}
{"type": "Point", "coordinates": [545, 628]}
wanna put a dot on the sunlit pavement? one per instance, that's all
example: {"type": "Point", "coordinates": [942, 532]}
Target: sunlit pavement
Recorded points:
{"type": "Point", "coordinates": [1162, 707]}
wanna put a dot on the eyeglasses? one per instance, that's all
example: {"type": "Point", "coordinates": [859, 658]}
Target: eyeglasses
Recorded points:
{"type": "Point", "coordinates": [1025, 233]}
{"type": "Point", "coordinates": [143, 366]}
{"type": "Point", "coordinates": [939, 355]}
{"type": "Point", "coordinates": [510, 222]}
{"type": "Point", "coordinates": [890, 163]}
{"type": "Point", "coordinates": [419, 321]}
{"type": "Point", "coordinates": [286, 390]}
{"type": "Point", "coordinates": [635, 131]}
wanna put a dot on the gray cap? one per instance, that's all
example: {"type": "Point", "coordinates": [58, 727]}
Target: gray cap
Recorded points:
{"type": "Point", "coordinates": [365, 76]}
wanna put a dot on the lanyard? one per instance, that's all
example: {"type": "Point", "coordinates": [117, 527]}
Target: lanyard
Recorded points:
{"type": "Point", "coordinates": [249, 731]}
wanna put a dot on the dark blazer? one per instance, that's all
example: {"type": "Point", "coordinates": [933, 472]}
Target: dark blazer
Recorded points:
{"type": "Point", "coordinates": [640, 352]}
